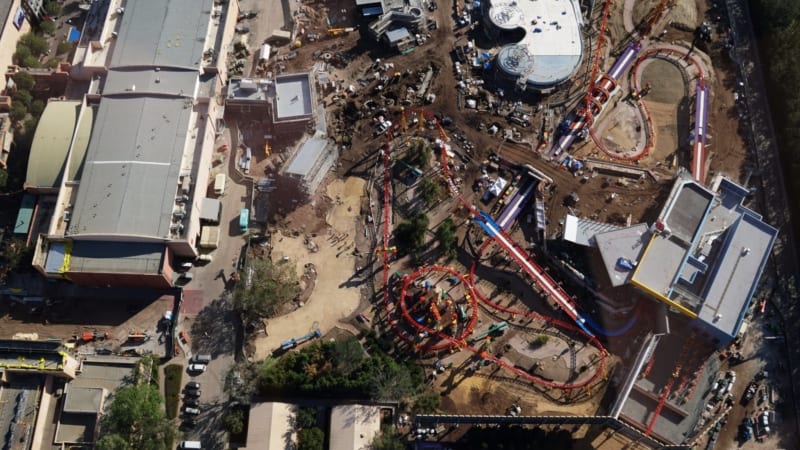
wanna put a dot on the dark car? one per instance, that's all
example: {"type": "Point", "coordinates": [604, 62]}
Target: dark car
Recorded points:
{"type": "Point", "coordinates": [745, 431]}
{"type": "Point", "coordinates": [188, 424]}
{"type": "Point", "coordinates": [749, 393]}
{"type": "Point", "coordinates": [192, 392]}
{"type": "Point", "coordinates": [192, 402]}
{"type": "Point", "coordinates": [192, 385]}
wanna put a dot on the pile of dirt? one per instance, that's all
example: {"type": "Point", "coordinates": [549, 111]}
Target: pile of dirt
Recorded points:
{"type": "Point", "coordinates": [682, 13]}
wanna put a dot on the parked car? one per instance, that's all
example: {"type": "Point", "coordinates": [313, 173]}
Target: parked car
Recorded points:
{"type": "Point", "coordinates": [192, 385]}
{"type": "Point", "coordinates": [197, 368]}
{"type": "Point", "coordinates": [746, 429]}
{"type": "Point", "coordinates": [749, 393]}
{"type": "Point", "coordinates": [193, 392]}
{"type": "Point", "coordinates": [762, 395]}
{"type": "Point", "coordinates": [200, 359]}
{"type": "Point", "coordinates": [188, 424]}
{"type": "Point", "coordinates": [191, 411]}
{"type": "Point", "coordinates": [763, 420]}
{"type": "Point", "coordinates": [192, 402]}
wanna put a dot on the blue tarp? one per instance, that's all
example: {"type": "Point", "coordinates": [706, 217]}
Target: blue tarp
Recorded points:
{"type": "Point", "coordinates": [372, 11]}
{"type": "Point", "coordinates": [73, 35]}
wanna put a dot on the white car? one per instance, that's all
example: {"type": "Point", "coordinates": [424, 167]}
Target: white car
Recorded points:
{"type": "Point", "coordinates": [192, 411]}
{"type": "Point", "coordinates": [198, 368]}
{"type": "Point", "coordinates": [385, 125]}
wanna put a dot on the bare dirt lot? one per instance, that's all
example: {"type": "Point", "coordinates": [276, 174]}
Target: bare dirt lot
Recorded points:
{"type": "Point", "coordinates": [334, 297]}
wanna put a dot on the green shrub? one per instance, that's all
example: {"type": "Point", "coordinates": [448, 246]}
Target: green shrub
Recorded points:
{"type": "Point", "coordinates": [36, 43]}
{"type": "Point", "coordinates": [37, 106]}
{"type": "Point", "coordinates": [64, 47]}
{"type": "Point", "coordinates": [52, 8]}
{"type": "Point", "coordinates": [48, 27]}
{"type": "Point", "coordinates": [30, 61]}
{"type": "Point", "coordinates": [311, 439]}
{"type": "Point", "coordinates": [234, 421]}
{"type": "Point", "coordinates": [173, 375]}
{"type": "Point", "coordinates": [24, 81]}
{"type": "Point", "coordinates": [18, 111]}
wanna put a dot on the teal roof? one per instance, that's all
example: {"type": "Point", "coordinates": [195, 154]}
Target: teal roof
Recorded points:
{"type": "Point", "coordinates": [23, 223]}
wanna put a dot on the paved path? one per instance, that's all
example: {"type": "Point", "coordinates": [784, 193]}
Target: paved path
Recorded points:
{"type": "Point", "coordinates": [627, 15]}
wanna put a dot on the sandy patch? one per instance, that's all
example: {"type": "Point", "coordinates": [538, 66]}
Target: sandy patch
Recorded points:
{"type": "Point", "coordinates": [331, 301]}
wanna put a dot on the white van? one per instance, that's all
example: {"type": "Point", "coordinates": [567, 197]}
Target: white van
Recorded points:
{"type": "Point", "coordinates": [219, 184]}
{"type": "Point", "coordinates": [194, 445]}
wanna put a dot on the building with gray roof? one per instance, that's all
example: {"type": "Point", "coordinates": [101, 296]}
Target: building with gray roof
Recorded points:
{"type": "Point", "coordinates": [146, 169]}
{"type": "Point", "coordinates": [706, 255]}
{"type": "Point", "coordinates": [312, 160]}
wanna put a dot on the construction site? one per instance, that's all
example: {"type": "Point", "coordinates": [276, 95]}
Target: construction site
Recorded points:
{"type": "Point", "coordinates": [600, 268]}
{"type": "Point", "coordinates": [559, 186]}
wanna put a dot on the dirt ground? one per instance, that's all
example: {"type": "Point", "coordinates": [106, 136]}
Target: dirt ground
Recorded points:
{"type": "Point", "coordinates": [668, 91]}
{"type": "Point", "coordinates": [334, 297]}
{"type": "Point", "coordinates": [70, 317]}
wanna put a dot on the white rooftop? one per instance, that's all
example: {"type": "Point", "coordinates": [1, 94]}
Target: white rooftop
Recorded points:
{"type": "Point", "coordinates": [354, 426]}
{"type": "Point", "coordinates": [292, 96]}
{"type": "Point", "coordinates": [550, 49]}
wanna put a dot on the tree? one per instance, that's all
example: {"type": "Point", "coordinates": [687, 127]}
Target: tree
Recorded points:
{"type": "Point", "coordinates": [23, 97]}
{"type": "Point", "coordinates": [240, 381]}
{"type": "Point", "coordinates": [24, 81]}
{"type": "Point", "coordinates": [389, 380]}
{"type": "Point", "coordinates": [52, 8]}
{"type": "Point", "coordinates": [15, 254]}
{"type": "Point", "coordinates": [446, 235]}
{"type": "Point", "coordinates": [37, 44]}
{"type": "Point", "coordinates": [426, 404]}
{"type": "Point", "coordinates": [37, 107]}
{"type": "Point", "coordinates": [306, 418]}
{"type": "Point", "coordinates": [348, 355]}
{"type": "Point", "coordinates": [112, 442]}
{"type": "Point", "coordinates": [411, 234]}
{"type": "Point", "coordinates": [271, 286]}
{"type": "Point", "coordinates": [18, 111]}
{"type": "Point", "coordinates": [31, 61]}
{"type": "Point", "coordinates": [48, 27]}
{"type": "Point", "coordinates": [310, 439]}
{"type": "Point", "coordinates": [234, 420]}
{"type": "Point", "coordinates": [136, 415]}
{"type": "Point", "coordinates": [20, 55]}
{"type": "Point", "coordinates": [64, 47]}
{"type": "Point", "coordinates": [430, 191]}
{"type": "Point", "coordinates": [420, 154]}
{"type": "Point", "coordinates": [387, 439]}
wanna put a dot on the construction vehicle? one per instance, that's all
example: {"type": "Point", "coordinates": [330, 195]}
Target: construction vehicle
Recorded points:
{"type": "Point", "coordinates": [138, 336]}
{"type": "Point", "coordinates": [339, 31]}
{"type": "Point", "coordinates": [89, 336]}
{"type": "Point", "coordinates": [294, 342]}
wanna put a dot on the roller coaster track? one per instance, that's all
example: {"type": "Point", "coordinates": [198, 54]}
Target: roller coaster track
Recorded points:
{"type": "Point", "coordinates": [496, 235]}
{"type": "Point", "coordinates": [601, 88]}
{"type": "Point", "coordinates": [650, 135]}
